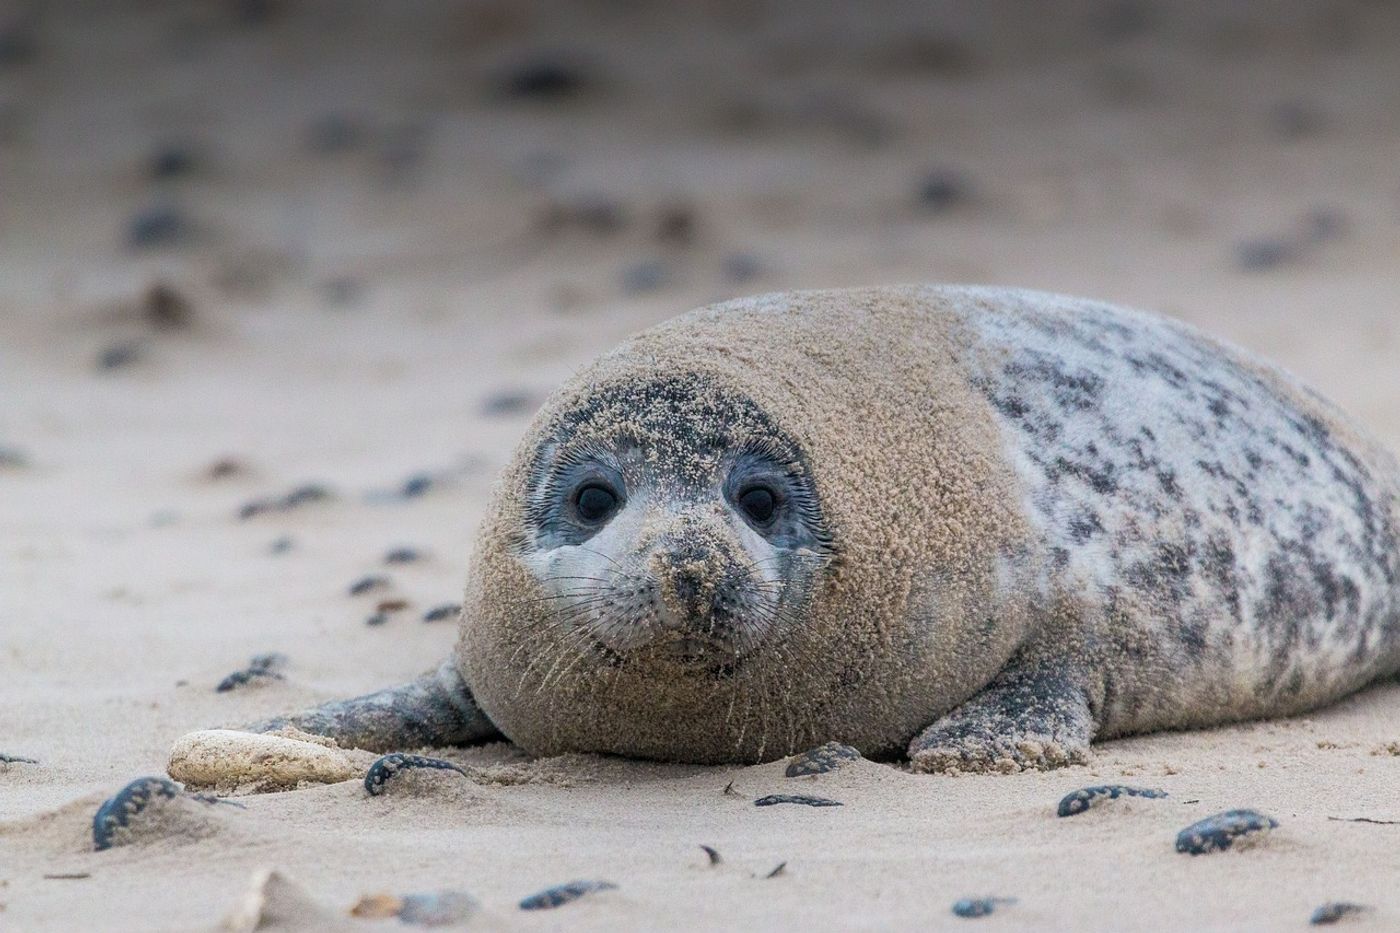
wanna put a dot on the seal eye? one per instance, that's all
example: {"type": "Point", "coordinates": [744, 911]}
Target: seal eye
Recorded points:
{"type": "Point", "coordinates": [758, 503]}
{"type": "Point", "coordinates": [595, 503]}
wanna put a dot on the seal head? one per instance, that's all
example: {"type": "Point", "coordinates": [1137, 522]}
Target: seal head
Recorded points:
{"type": "Point", "coordinates": [739, 535]}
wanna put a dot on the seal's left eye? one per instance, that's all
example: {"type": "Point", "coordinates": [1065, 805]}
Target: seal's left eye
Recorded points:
{"type": "Point", "coordinates": [758, 503]}
{"type": "Point", "coordinates": [595, 502]}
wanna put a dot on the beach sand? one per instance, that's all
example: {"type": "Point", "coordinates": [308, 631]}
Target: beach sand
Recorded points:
{"type": "Point", "coordinates": [389, 234]}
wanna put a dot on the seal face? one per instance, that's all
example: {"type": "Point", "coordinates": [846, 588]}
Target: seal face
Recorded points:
{"type": "Point", "coordinates": [690, 532]}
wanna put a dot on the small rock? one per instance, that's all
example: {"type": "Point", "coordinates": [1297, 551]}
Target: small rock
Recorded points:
{"type": "Point", "coordinates": [712, 854]}
{"type": "Point", "coordinates": [942, 190]}
{"type": "Point", "coordinates": [806, 801]}
{"type": "Point", "coordinates": [343, 291]}
{"type": "Point", "coordinates": [369, 585]}
{"type": "Point", "coordinates": [1083, 799]}
{"type": "Point", "coordinates": [776, 871]}
{"type": "Point", "coordinates": [645, 276]}
{"type": "Point", "coordinates": [676, 225]}
{"type": "Point", "coordinates": [392, 605]}
{"type": "Point", "coordinates": [377, 619]}
{"type": "Point", "coordinates": [226, 467]}
{"type": "Point", "coordinates": [437, 908]}
{"type": "Point", "coordinates": [1221, 831]}
{"type": "Point", "coordinates": [563, 894]}
{"type": "Point", "coordinates": [821, 759]}
{"type": "Point", "coordinates": [172, 160]}
{"type": "Point", "coordinates": [595, 214]}
{"type": "Point", "coordinates": [300, 496]}
{"type": "Point", "coordinates": [157, 227]}
{"type": "Point", "coordinates": [165, 308]}
{"type": "Point", "coordinates": [416, 486]}
{"type": "Point", "coordinates": [335, 133]}
{"type": "Point", "coordinates": [388, 767]}
{"type": "Point", "coordinates": [980, 906]}
{"type": "Point", "coordinates": [261, 667]}
{"type": "Point", "coordinates": [1334, 911]}
{"type": "Point", "coordinates": [1264, 253]}
{"type": "Point", "coordinates": [546, 78]}
{"type": "Point", "coordinates": [445, 611]}
{"type": "Point", "coordinates": [120, 355]}
{"type": "Point", "coordinates": [741, 267]}
{"type": "Point", "coordinates": [376, 907]}
{"type": "Point", "coordinates": [17, 43]}
{"type": "Point", "coordinates": [281, 545]}
{"type": "Point", "coordinates": [403, 555]}
{"type": "Point", "coordinates": [510, 402]}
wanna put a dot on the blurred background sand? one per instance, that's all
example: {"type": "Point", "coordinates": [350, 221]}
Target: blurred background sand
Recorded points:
{"type": "Point", "coordinates": [250, 246]}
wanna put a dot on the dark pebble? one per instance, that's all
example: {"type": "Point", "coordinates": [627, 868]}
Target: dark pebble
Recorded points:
{"type": "Point", "coordinates": [544, 78]}
{"type": "Point", "coordinates": [1086, 797]}
{"type": "Point", "coordinates": [445, 611]}
{"type": "Point", "coordinates": [1333, 911]}
{"type": "Point", "coordinates": [416, 486]}
{"type": "Point", "coordinates": [343, 290]}
{"type": "Point", "coordinates": [1324, 223]}
{"type": "Point", "coordinates": [502, 404]}
{"type": "Point", "coordinates": [591, 213]}
{"type": "Point", "coordinates": [403, 555]}
{"type": "Point", "coordinates": [821, 759]}
{"type": "Point", "coordinates": [378, 619]}
{"type": "Point", "coordinates": [368, 585]}
{"type": "Point", "coordinates": [777, 870]}
{"type": "Point", "coordinates": [392, 605]}
{"type": "Point", "coordinates": [645, 276]}
{"type": "Point", "coordinates": [225, 467]}
{"type": "Point", "coordinates": [942, 190]}
{"type": "Point", "coordinates": [263, 666]}
{"type": "Point", "coordinates": [563, 894]}
{"type": "Point", "coordinates": [301, 495]}
{"type": "Point", "coordinates": [980, 906]}
{"type": "Point", "coordinates": [676, 225]}
{"type": "Point", "coordinates": [389, 766]}
{"type": "Point", "coordinates": [281, 546]}
{"type": "Point", "coordinates": [712, 854]}
{"type": "Point", "coordinates": [120, 355]}
{"type": "Point", "coordinates": [1264, 253]}
{"type": "Point", "coordinates": [437, 908]}
{"type": "Point", "coordinates": [17, 44]}
{"type": "Point", "coordinates": [165, 308]}
{"type": "Point", "coordinates": [1219, 832]}
{"type": "Point", "coordinates": [741, 267]}
{"type": "Point", "coordinates": [773, 799]}
{"type": "Point", "coordinates": [335, 133]}
{"type": "Point", "coordinates": [157, 227]}
{"type": "Point", "coordinates": [172, 160]}
{"type": "Point", "coordinates": [116, 812]}
{"type": "Point", "coordinates": [16, 760]}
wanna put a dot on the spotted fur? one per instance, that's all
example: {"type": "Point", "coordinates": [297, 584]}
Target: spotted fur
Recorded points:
{"type": "Point", "coordinates": [1226, 539]}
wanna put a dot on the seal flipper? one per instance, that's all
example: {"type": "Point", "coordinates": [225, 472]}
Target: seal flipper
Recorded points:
{"type": "Point", "coordinates": [435, 709]}
{"type": "Point", "coordinates": [1025, 719]}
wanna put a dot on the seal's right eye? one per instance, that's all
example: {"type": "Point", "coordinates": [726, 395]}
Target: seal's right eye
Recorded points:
{"type": "Point", "coordinates": [594, 502]}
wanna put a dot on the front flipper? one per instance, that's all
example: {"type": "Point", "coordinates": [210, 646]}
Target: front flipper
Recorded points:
{"type": "Point", "coordinates": [437, 709]}
{"type": "Point", "coordinates": [1023, 720]}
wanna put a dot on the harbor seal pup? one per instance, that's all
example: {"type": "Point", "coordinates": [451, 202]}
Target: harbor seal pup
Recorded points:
{"type": "Point", "coordinates": [980, 527]}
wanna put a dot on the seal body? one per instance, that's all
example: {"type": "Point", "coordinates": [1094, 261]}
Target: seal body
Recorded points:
{"type": "Point", "coordinates": [1049, 520]}
{"type": "Point", "coordinates": [978, 526]}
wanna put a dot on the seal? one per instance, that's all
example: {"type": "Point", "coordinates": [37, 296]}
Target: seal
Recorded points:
{"type": "Point", "coordinates": [980, 527]}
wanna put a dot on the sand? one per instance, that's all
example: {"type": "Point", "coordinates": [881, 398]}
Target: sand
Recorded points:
{"type": "Point", "coordinates": [388, 295]}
